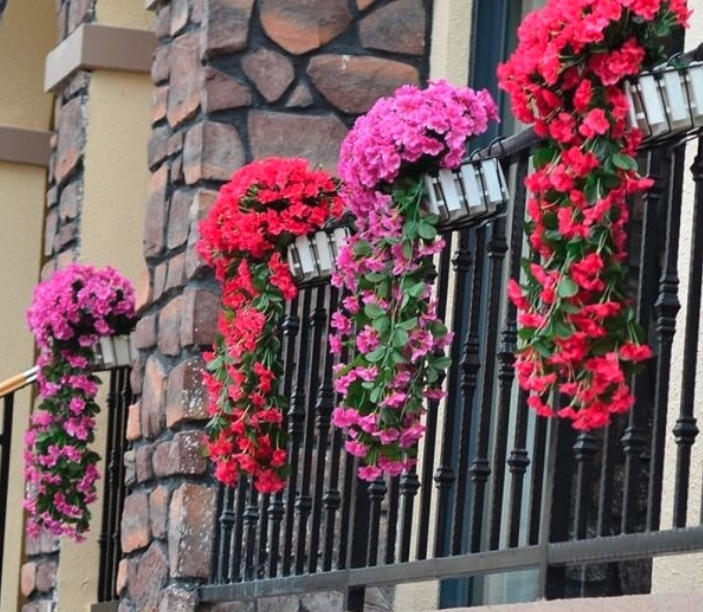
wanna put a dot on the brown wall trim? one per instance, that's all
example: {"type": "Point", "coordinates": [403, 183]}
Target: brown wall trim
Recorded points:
{"type": "Point", "coordinates": [100, 47]}
{"type": "Point", "coordinates": [24, 146]}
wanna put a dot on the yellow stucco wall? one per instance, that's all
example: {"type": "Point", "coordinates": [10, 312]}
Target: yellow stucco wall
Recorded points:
{"type": "Point", "coordinates": [22, 190]}
{"type": "Point", "coordinates": [116, 178]}
{"type": "Point", "coordinates": [27, 34]}
{"type": "Point", "coordinates": [123, 13]}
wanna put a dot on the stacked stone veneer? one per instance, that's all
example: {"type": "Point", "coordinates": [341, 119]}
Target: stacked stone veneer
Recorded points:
{"type": "Point", "coordinates": [61, 246]}
{"type": "Point", "coordinates": [234, 80]}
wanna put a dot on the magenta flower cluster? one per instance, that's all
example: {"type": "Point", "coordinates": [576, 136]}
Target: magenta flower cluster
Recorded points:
{"type": "Point", "coordinates": [68, 315]}
{"type": "Point", "coordinates": [388, 320]}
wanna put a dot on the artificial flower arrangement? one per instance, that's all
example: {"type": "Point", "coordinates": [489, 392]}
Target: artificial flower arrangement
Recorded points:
{"type": "Point", "coordinates": [388, 320]}
{"type": "Point", "coordinates": [577, 327]}
{"type": "Point", "coordinates": [69, 314]}
{"type": "Point", "coordinates": [256, 216]}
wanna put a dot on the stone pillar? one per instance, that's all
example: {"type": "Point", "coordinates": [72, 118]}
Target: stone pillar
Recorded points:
{"type": "Point", "coordinates": [234, 80]}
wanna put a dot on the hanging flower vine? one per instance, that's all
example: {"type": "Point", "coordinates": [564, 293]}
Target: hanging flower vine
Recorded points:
{"type": "Point", "coordinates": [577, 328]}
{"type": "Point", "coordinates": [261, 211]}
{"type": "Point", "coordinates": [68, 315]}
{"type": "Point", "coordinates": [388, 319]}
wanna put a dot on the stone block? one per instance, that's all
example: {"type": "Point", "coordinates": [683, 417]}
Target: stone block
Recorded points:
{"type": "Point", "coordinates": [135, 532]}
{"type": "Point", "coordinates": [71, 132]}
{"type": "Point", "coordinates": [70, 201]}
{"type": "Point", "coordinates": [201, 308]}
{"type": "Point", "coordinates": [315, 137]}
{"type": "Point", "coordinates": [178, 219]}
{"type": "Point", "coordinates": [398, 27]}
{"type": "Point", "coordinates": [212, 151]}
{"type": "Point", "coordinates": [45, 579]}
{"type": "Point", "coordinates": [144, 335]}
{"type": "Point", "coordinates": [159, 100]}
{"type": "Point", "coordinates": [271, 72]}
{"type": "Point", "coordinates": [175, 276]}
{"type": "Point", "coordinates": [28, 575]}
{"type": "Point", "coordinates": [184, 86]}
{"type": "Point", "coordinates": [225, 26]}
{"type": "Point", "coordinates": [161, 66]}
{"type": "Point", "coordinates": [220, 91]}
{"type": "Point", "coordinates": [130, 468]}
{"type": "Point", "coordinates": [185, 454]}
{"type": "Point", "coordinates": [161, 459]}
{"type": "Point", "coordinates": [149, 579]}
{"type": "Point", "coordinates": [153, 397]}
{"type": "Point", "coordinates": [170, 326]}
{"type": "Point", "coordinates": [155, 224]}
{"type": "Point", "coordinates": [300, 26]}
{"type": "Point", "coordinates": [186, 397]}
{"type": "Point", "coordinates": [191, 529]}
{"type": "Point", "coordinates": [157, 146]}
{"type": "Point", "coordinates": [177, 599]}
{"type": "Point", "coordinates": [158, 511]}
{"type": "Point", "coordinates": [354, 83]}
{"type": "Point", "coordinates": [143, 290]}
{"type": "Point", "coordinates": [144, 463]}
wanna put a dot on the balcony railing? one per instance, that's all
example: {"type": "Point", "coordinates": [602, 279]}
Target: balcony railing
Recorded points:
{"type": "Point", "coordinates": [496, 490]}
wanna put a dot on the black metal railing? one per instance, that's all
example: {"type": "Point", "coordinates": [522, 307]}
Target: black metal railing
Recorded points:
{"type": "Point", "coordinates": [8, 389]}
{"type": "Point", "coordinates": [118, 400]}
{"type": "Point", "coordinates": [496, 490]}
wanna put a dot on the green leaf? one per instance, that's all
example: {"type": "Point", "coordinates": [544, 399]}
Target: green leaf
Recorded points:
{"type": "Point", "coordinates": [374, 277]}
{"type": "Point", "coordinates": [441, 363]}
{"type": "Point", "coordinates": [416, 290]}
{"type": "Point", "coordinates": [400, 337]}
{"type": "Point", "coordinates": [408, 325]}
{"type": "Point", "coordinates": [362, 249]}
{"type": "Point", "coordinates": [624, 162]}
{"type": "Point", "coordinates": [567, 288]}
{"type": "Point", "coordinates": [427, 231]}
{"type": "Point", "coordinates": [373, 311]}
{"type": "Point", "coordinates": [542, 157]}
{"type": "Point", "coordinates": [381, 324]}
{"type": "Point", "coordinates": [377, 355]}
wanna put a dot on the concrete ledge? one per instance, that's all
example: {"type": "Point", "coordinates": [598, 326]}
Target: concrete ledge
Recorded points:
{"type": "Point", "coordinates": [24, 146]}
{"type": "Point", "coordinates": [99, 47]}
{"type": "Point", "coordinates": [664, 602]}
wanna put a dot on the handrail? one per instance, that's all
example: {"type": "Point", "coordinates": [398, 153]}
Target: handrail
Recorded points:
{"type": "Point", "coordinates": [18, 381]}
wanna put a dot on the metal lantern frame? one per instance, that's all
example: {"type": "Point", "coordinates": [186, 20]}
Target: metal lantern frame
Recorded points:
{"type": "Point", "coordinates": [313, 257]}
{"type": "Point", "coordinates": [114, 352]}
{"type": "Point", "coordinates": [667, 101]}
{"type": "Point", "coordinates": [475, 192]}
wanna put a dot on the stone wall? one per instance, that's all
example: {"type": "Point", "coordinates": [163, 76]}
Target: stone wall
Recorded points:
{"type": "Point", "coordinates": [234, 80]}
{"type": "Point", "coordinates": [61, 243]}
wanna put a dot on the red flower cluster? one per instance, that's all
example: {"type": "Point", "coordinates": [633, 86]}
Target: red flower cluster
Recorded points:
{"type": "Point", "coordinates": [578, 333]}
{"type": "Point", "coordinates": [265, 206]}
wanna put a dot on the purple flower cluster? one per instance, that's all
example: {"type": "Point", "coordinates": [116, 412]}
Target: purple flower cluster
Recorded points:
{"type": "Point", "coordinates": [68, 315]}
{"type": "Point", "coordinates": [388, 320]}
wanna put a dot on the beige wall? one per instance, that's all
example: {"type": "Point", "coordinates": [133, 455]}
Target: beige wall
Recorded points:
{"type": "Point", "coordinates": [22, 191]}
{"type": "Point", "coordinates": [27, 32]}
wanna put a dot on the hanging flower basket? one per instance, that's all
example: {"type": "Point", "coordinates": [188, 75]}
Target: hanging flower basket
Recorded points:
{"type": "Point", "coordinates": [312, 257]}
{"type": "Point", "coordinates": [113, 352]}
{"type": "Point", "coordinates": [667, 101]}
{"type": "Point", "coordinates": [477, 190]}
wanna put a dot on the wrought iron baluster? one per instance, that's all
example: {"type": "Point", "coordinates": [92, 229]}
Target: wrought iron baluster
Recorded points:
{"type": "Point", "coordinates": [235, 543]}
{"type": "Point", "coordinates": [296, 421]}
{"type": "Point", "coordinates": [634, 439]}
{"type": "Point", "coordinates": [226, 523]}
{"type": "Point", "coordinates": [585, 451]}
{"type": "Point", "coordinates": [393, 501]}
{"type": "Point", "coordinates": [376, 492]}
{"type": "Point", "coordinates": [323, 408]}
{"type": "Point", "coordinates": [686, 428]}
{"type": "Point", "coordinates": [276, 511]}
{"type": "Point", "coordinates": [410, 483]}
{"type": "Point", "coordinates": [110, 499]}
{"type": "Point", "coordinates": [445, 475]}
{"type": "Point", "coordinates": [506, 370]}
{"type": "Point", "coordinates": [8, 409]}
{"type": "Point", "coordinates": [470, 366]}
{"type": "Point", "coordinates": [539, 452]}
{"type": "Point", "coordinates": [251, 520]}
{"type": "Point", "coordinates": [480, 469]}
{"type": "Point", "coordinates": [303, 504]}
{"type": "Point", "coordinates": [666, 308]}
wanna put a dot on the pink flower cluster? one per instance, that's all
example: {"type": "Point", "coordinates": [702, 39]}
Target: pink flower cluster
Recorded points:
{"type": "Point", "coordinates": [68, 315]}
{"type": "Point", "coordinates": [388, 319]}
